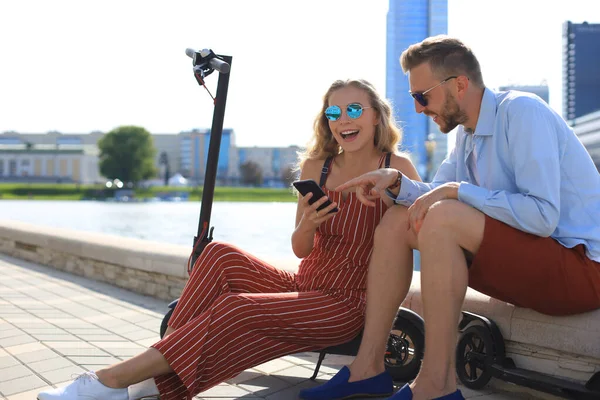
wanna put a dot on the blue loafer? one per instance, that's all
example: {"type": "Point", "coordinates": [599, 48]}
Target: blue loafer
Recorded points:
{"type": "Point", "coordinates": [338, 387]}
{"type": "Point", "coordinates": [406, 394]}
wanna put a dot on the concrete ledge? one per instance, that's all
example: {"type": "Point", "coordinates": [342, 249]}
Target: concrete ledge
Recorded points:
{"type": "Point", "coordinates": [138, 254]}
{"type": "Point", "coordinates": [150, 268]}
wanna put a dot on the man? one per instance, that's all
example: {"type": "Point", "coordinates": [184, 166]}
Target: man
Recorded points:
{"type": "Point", "coordinates": [513, 212]}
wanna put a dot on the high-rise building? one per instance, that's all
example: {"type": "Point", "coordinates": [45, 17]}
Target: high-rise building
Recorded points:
{"type": "Point", "coordinates": [541, 91]}
{"type": "Point", "coordinates": [581, 76]}
{"type": "Point", "coordinates": [193, 151]}
{"type": "Point", "coordinates": [408, 22]}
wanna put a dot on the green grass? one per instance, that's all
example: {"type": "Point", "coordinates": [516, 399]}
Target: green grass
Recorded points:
{"type": "Point", "coordinates": [12, 191]}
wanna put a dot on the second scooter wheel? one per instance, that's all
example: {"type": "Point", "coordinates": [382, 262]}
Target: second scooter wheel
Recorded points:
{"type": "Point", "coordinates": [474, 357]}
{"type": "Point", "coordinates": [404, 351]}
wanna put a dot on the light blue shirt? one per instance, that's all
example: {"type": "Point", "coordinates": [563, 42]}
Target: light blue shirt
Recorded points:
{"type": "Point", "coordinates": [532, 172]}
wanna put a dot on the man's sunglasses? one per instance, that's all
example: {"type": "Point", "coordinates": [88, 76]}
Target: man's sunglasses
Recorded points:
{"type": "Point", "coordinates": [420, 96]}
{"type": "Point", "coordinates": [353, 110]}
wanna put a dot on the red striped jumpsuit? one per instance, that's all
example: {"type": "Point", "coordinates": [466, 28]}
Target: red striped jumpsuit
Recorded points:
{"type": "Point", "coordinates": [237, 311]}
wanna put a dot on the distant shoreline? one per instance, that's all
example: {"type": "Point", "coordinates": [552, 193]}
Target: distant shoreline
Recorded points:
{"type": "Point", "coordinates": [42, 191]}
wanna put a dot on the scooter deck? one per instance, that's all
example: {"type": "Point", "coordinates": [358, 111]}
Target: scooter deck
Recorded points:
{"type": "Point", "coordinates": [547, 383]}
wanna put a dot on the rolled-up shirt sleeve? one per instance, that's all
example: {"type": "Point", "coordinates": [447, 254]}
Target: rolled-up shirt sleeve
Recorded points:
{"type": "Point", "coordinates": [534, 152]}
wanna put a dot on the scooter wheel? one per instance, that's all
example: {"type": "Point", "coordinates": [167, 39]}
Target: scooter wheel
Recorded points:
{"type": "Point", "coordinates": [404, 351]}
{"type": "Point", "coordinates": [165, 323]}
{"type": "Point", "coordinates": [474, 357]}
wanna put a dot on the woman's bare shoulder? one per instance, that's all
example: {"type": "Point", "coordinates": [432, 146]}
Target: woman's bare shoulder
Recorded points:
{"type": "Point", "coordinates": [311, 169]}
{"type": "Point", "coordinates": [402, 163]}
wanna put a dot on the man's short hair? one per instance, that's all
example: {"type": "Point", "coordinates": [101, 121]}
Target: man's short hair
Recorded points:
{"type": "Point", "coordinates": [446, 56]}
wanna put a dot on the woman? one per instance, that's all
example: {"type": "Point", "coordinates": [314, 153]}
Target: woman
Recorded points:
{"type": "Point", "coordinates": [236, 311]}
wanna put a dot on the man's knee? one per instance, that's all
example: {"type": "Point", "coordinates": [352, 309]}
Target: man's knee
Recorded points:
{"type": "Point", "coordinates": [453, 220]}
{"type": "Point", "coordinates": [442, 215]}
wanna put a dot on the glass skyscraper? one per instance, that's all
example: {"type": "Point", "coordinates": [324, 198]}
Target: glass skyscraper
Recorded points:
{"type": "Point", "coordinates": [408, 22]}
{"type": "Point", "coordinates": [581, 69]}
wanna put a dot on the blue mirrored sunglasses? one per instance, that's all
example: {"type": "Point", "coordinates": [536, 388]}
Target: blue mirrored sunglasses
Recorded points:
{"type": "Point", "coordinates": [353, 110]}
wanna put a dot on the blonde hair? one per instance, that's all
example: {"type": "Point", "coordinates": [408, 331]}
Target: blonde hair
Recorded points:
{"type": "Point", "coordinates": [323, 144]}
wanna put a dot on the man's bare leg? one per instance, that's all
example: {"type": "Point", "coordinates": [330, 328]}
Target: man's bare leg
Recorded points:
{"type": "Point", "coordinates": [388, 281]}
{"type": "Point", "coordinates": [448, 228]}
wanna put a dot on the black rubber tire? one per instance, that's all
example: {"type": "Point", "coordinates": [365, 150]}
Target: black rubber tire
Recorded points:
{"type": "Point", "coordinates": [474, 357]}
{"type": "Point", "coordinates": [404, 351]}
{"type": "Point", "coordinates": [165, 322]}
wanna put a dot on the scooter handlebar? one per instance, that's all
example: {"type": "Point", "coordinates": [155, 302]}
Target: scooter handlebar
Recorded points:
{"type": "Point", "coordinates": [214, 63]}
{"type": "Point", "coordinates": [219, 65]}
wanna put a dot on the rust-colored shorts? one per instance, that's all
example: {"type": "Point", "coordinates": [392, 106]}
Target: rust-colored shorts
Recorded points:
{"type": "Point", "coordinates": [534, 272]}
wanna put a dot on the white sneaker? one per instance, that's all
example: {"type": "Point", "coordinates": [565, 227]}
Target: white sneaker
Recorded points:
{"type": "Point", "coordinates": [85, 387]}
{"type": "Point", "coordinates": [145, 390]}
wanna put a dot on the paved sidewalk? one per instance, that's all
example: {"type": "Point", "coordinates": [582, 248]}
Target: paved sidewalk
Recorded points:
{"type": "Point", "coordinates": [54, 325]}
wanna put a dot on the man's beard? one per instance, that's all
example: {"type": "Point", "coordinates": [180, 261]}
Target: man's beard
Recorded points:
{"type": "Point", "coordinates": [451, 114]}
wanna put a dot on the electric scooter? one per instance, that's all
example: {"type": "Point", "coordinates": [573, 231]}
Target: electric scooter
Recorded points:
{"type": "Point", "coordinates": [480, 355]}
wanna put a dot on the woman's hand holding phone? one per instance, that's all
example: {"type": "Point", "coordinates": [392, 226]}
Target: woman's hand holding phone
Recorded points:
{"type": "Point", "coordinates": [317, 206]}
{"type": "Point", "coordinates": [308, 219]}
{"type": "Point", "coordinates": [313, 214]}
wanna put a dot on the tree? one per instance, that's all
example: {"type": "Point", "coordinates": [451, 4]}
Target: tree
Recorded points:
{"type": "Point", "coordinates": [163, 160]}
{"type": "Point", "coordinates": [288, 175]}
{"type": "Point", "coordinates": [127, 153]}
{"type": "Point", "coordinates": [251, 173]}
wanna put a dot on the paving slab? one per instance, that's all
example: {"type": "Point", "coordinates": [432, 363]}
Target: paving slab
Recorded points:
{"type": "Point", "coordinates": [54, 324]}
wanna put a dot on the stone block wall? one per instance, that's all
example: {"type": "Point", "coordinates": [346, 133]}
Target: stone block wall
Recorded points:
{"type": "Point", "coordinates": [150, 268]}
{"type": "Point", "coordinates": [153, 284]}
{"type": "Point", "coordinates": [68, 254]}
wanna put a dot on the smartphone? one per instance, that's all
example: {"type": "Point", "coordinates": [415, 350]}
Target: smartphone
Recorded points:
{"type": "Point", "coordinates": [310, 186]}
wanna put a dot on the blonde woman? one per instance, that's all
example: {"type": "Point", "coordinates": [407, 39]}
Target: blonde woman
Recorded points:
{"type": "Point", "coordinates": [237, 311]}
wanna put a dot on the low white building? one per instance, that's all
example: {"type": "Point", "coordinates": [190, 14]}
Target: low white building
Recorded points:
{"type": "Point", "coordinates": [186, 152]}
{"type": "Point", "coordinates": [49, 164]}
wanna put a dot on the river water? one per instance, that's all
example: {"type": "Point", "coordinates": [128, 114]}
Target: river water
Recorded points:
{"type": "Point", "coordinates": [263, 229]}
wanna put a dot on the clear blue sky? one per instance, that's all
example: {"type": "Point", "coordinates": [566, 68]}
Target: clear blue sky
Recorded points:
{"type": "Point", "coordinates": [76, 66]}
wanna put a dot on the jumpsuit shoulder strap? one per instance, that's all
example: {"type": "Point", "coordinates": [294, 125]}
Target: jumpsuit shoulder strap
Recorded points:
{"type": "Point", "coordinates": [388, 158]}
{"type": "Point", "coordinates": [325, 170]}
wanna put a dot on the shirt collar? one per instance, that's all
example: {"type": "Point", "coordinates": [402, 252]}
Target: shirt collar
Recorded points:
{"type": "Point", "coordinates": [487, 114]}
